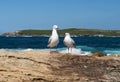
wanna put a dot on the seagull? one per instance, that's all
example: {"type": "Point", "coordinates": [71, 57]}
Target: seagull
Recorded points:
{"type": "Point", "coordinates": [54, 38]}
{"type": "Point", "coordinates": [69, 42]}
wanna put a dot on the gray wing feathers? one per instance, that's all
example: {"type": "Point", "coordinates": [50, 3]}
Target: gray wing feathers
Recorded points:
{"type": "Point", "coordinates": [73, 42]}
{"type": "Point", "coordinates": [64, 42]}
{"type": "Point", "coordinates": [70, 42]}
{"type": "Point", "coordinates": [49, 41]}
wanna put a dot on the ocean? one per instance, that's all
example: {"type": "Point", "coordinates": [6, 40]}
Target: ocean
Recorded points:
{"type": "Point", "coordinates": [85, 45]}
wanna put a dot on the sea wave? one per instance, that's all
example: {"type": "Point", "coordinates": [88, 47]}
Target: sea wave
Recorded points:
{"type": "Point", "coordinates": [80, 50]}
{"type": "Point", "coordinates": [17, 50]}
{"type": "Point", "coordinates": [112, 52]}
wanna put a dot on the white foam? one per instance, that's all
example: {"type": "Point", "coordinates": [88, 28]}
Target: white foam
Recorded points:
{"type": "Point", "coordinates": [86, 53]}
{"type": "Point", "coordinates": [76, 51]}
{"type": "Point", "coordinates": [29, 49]}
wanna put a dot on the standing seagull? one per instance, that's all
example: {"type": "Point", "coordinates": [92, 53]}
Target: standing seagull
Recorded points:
{"type": "Point", "coordinates": [54, 39]}
{"type": "Point", "coordinates": [69, 42]}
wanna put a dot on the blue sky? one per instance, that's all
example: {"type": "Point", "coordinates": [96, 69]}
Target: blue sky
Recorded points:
{"type": "Point", "coordinates": [43, 14]}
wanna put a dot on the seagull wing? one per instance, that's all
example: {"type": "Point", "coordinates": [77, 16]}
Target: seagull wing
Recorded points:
{"type": "Point", "coordinates": [49, 41]}
{"type": "Point", "coordinates": [64, 42]}
{"type": "Point", "coordinates": [73, 42]}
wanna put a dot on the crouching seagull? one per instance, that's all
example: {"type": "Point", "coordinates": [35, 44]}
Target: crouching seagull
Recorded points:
{"type": "Point", "coordinates": [69, 42]}
{"type": "Point", "coordinates": [54, 38]}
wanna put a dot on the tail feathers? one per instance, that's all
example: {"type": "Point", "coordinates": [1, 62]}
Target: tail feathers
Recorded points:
{"type": "Point", "coordinates": [74, 45]}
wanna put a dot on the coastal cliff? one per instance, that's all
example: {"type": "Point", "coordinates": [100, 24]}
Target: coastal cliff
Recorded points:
{"type": "Point", "coordinates": [41, 66]}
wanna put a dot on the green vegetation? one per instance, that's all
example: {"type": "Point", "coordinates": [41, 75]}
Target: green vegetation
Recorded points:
{"type": "Point", "coordinates": [35, 32]}
{"type": "Point", "coordinates": [72, 31]}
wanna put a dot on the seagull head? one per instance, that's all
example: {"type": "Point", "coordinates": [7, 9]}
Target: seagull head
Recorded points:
{"type": "Point", "coordinates": [67, 34]}
{"type": "Point", "coordinates": [55, 27]}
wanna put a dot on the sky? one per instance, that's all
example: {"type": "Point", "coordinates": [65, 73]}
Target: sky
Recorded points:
{"type": "Point", "coordinates": [43, 14]}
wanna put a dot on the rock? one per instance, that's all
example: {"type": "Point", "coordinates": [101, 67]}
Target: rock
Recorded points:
{"type": "Point", "coordinates": [99, 54]}
{"type": "Point", "coordinates": [40, 66]}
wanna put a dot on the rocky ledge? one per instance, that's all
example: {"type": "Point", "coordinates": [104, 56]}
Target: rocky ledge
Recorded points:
{"type": "Point", "coordinates": [40, 66]}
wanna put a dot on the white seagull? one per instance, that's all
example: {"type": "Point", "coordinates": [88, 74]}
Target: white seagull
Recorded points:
{"type": "Point", "coordinates": [54, 38]}
{"type": "Point", "coordinates": [69, 42]}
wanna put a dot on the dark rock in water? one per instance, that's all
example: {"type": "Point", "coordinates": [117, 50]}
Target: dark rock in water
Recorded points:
{"type": "Point", "coordinates": [99, 54]}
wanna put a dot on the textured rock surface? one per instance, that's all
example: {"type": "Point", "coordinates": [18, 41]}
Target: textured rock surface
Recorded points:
{"type": "Point", "coordinates": [40, 66]}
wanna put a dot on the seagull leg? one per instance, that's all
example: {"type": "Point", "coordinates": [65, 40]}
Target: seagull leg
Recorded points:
{"type": "Point", "coordinates": [71, 50]}
{"type": "Point", "coordinates": [56, 49]}
{"type": "Point", "coordinates": [50, 50]}
{"type": "Point", "coordinates": [68, 50]}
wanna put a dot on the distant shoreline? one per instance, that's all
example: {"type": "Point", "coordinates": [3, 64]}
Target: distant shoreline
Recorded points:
{"type": "Point", "coordinates": [62, 36]}
{"type": "Point", "coordinates": [73, 31]}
